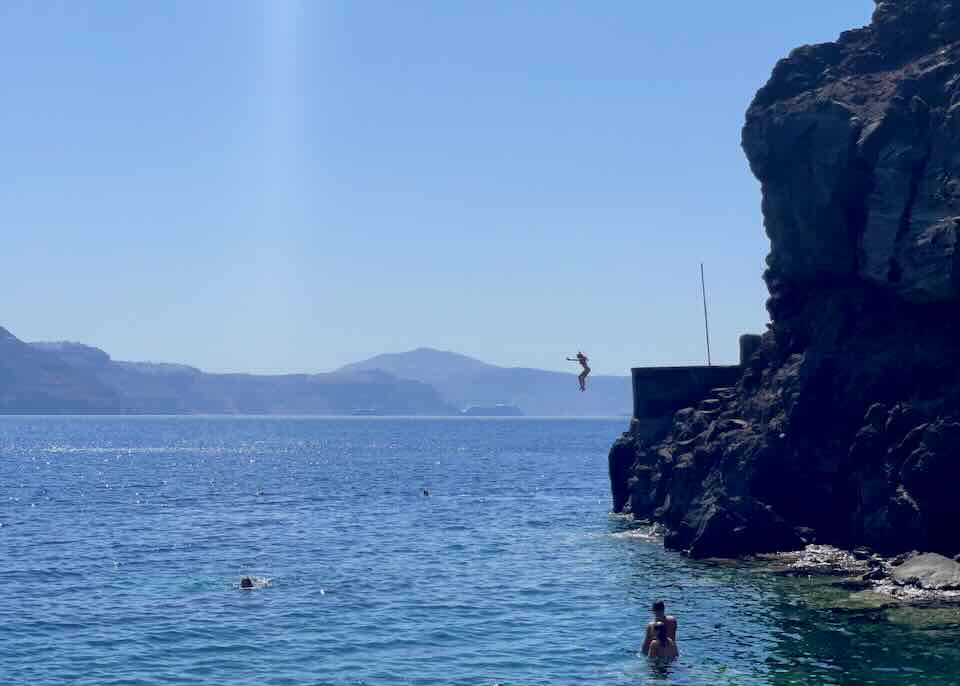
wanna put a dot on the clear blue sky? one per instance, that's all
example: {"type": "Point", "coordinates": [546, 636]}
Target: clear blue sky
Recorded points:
{"type": "Point", "coordinates": [287, 185]}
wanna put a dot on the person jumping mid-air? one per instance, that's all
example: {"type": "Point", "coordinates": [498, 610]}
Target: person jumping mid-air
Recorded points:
{"type": "Point", "coordinates": [582, 359]}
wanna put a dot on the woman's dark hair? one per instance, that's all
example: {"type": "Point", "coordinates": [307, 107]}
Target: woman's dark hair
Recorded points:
{"type": "Point", "coordinates": [660, 629]}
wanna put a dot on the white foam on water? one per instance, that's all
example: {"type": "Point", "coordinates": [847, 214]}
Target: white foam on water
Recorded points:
{"type": "Point", "coordinates": [258, 583]}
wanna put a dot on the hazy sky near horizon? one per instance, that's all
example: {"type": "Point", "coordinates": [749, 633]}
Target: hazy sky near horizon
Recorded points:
{"type": "Point", "coordinates": [286, 185]}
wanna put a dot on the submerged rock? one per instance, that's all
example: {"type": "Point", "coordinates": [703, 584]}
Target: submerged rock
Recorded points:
{"type": "Point", "coordinates": [845, 427]}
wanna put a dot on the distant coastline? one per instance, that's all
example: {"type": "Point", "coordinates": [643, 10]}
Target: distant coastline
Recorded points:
{"type": "Point", "coordinates": [62, 378]}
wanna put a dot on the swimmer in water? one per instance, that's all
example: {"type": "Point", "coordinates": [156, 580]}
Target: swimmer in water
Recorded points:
{"type": "Point", "coordinates": [660, 616]}
{"type": "Point", "coordinates": [246, 582]}
{"type": "Point", "coordinates": [582, 359]}
{"type": "Point", "coordinates": [662, 645]}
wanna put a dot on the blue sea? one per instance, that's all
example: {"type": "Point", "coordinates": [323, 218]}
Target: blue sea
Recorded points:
{"type": "Point", "coordinates": [122, 542]}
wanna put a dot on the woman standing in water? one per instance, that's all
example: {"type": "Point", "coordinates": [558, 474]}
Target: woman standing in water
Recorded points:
{"type": "Point", "coordinates": [582, 359]}
{"type": "Point", "coordinates": [662, 645]}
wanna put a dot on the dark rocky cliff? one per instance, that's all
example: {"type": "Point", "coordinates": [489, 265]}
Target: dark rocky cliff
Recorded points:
{"type": "Point", "coordinates": [845, 427]}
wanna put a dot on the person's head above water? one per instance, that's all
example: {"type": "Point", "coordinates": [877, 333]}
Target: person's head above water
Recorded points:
{"type": "Point", "coordinates": [659, 608]}
{"type": "Point", "coordinates": [246, 582]}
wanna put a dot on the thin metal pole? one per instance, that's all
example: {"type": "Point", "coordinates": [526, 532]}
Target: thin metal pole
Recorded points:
{"type": "Point", "coordinates": [706, 320]}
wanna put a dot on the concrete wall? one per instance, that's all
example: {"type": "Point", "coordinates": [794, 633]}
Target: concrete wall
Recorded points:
{"type": "Point", "coordinates": [660, 390]}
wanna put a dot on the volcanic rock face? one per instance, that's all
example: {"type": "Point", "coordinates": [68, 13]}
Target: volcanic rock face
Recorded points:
{"type": "Point", "coordinates": [855, 145]}
{"type": "Point", "coordinates": [845, 428]}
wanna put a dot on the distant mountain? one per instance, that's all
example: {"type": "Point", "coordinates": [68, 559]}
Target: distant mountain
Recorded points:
{"type": "Point", "coordinates": [423, 364]}
{"type": "Point", "coordinates": [464, 381]}
{"type": "Point", "coordinates": [64, 377]}
{"type": "Point", "coordinates": [34, 381]}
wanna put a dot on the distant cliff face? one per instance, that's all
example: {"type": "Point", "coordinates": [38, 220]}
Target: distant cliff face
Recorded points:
{"type": "Point", "coordinates": [846, 425]}
{"type": "Point", "coordinates": [37, 381]}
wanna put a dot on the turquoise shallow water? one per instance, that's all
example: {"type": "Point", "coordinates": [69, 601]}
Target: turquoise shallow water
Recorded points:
{"type": "Point", "coordinates": [123, 540]}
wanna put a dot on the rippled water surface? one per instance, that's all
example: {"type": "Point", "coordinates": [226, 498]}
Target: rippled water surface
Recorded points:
{"type": "Point", "coordinates": [122, 541]}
